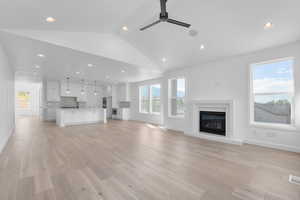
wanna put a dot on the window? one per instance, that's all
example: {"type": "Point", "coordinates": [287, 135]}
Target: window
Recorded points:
{"type": "Point", "coordinates": [150, 99]}
{"type": "Point", "coordinates": [23, 100]}
{"type": "Point", "coordinates": [155, 99]}
{"type": "Point", "coordinates": [144, 99]}
{"type": "Point", "coordinates": [272, 94]}
{"type": "Point", "coordinates": [176, 97]}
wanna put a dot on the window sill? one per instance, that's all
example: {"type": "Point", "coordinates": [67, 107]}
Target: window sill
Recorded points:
{"type": "Point", "coordinates": [154, 113]}
{"type": "Point", "coordinates": [176, 117]}
{"type": "Point", "coordinates": [148, 113]}
{"type": "Point", "coordinates": [274, 126]}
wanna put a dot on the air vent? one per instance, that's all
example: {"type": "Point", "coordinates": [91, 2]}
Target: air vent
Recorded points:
{"type": "Point", "coordinates": [294, 179]}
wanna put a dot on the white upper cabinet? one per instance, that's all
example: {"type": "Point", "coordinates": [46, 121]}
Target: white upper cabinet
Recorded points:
{"type": "Point", "coordinates": [53, 91]}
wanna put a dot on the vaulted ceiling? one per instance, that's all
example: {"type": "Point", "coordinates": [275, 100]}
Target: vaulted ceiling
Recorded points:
{"type": "Point", "coordinates": [90, 31]}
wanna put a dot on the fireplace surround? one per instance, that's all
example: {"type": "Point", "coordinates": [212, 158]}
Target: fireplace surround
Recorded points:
{"type": "Point", "coordinates": [192, 119]}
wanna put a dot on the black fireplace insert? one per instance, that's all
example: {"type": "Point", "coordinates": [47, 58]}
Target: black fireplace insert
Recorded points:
{"type": "Point", "coordinates": [212, 122]}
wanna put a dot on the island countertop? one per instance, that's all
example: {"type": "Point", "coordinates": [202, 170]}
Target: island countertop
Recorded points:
{"type": "Point", "coordinates": [78, 116]}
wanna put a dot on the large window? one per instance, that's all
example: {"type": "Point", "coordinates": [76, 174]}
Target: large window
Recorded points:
{"type": "Point", "coordinates": [176, 97]}
{"type": "Point", "coordinates": [272, 94]}
{"type": "Point", "coordinates": [155, 99]}
{"type": "Point", "coordinates": [150, 99]}
{"type": "Point", "coordinates": [23, 100]}
{"type": "Point", "coordinates": [144, 99]}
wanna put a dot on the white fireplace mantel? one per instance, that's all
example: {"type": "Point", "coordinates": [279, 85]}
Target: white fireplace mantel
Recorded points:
{"type": "Point", "coordinates": [193, 108]}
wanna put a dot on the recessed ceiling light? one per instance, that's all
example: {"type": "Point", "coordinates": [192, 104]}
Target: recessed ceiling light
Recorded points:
{"type": "Point", "coordinates": [50, 19]}
{"type": "Point", "coordinates": [202, 46]}
{"type": "Point", "coordinates": [164, 59]}
{"type": "Point", "coordinates": [125, 28]}
{"type": "Point", "coordinates": [77, 72]}
{"type": "Point", "coordinates": [37, 66]}
{"type": "Point", "coordinates": [90, 65]}
{"type": "Point", "coordinates": [123, 71]}
{"type": "Point", "coordinates": [41, 55]}
{"type": "Point", "coordinates": [268, 25]}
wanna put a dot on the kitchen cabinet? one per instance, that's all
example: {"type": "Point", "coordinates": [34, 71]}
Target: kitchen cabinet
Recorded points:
{"type": "Point", "coordinates": [66, 117]}
{"type": "Point", "coordinates": [53, 91]}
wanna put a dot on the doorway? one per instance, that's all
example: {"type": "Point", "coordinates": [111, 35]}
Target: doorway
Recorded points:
{"type": "Point", "coordinates": [27, 98]}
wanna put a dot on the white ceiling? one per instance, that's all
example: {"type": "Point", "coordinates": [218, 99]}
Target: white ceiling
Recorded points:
{"type": "Point", "coordinates": [61, 62]}
{"type": "Point", "coordinates": [226, 28]}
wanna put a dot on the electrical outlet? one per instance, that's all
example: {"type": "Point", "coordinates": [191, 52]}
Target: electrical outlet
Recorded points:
{"type": "Point", "coordinates": [294, 179]}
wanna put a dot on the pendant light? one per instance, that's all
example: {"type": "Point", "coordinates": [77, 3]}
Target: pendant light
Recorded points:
{"type": "Point", "coordinates": [82, 87]}
{"type": "Point", "coordinates": [95, 91]}
{"type": "Point", "coordinates": [68, 91]}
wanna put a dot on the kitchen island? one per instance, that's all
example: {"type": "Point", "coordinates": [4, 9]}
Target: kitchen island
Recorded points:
{"type": "Point", "coordinates": [78, 116]}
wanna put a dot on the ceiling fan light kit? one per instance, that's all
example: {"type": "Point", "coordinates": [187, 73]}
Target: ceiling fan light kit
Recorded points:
{"type": "Point", "coordinates": [164, 17]}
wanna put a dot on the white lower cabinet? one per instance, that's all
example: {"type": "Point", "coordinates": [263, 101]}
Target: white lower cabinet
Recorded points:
{"type": "Point", "coordinates": [65, 117]}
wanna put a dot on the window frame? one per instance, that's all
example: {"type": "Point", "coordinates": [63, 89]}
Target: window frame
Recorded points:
{"type": "Point", "coordinates": [170, 97]}
{"type": "Point", "coordinates": [149, 86]}
{"type": "Point", "coordinates": [290, 126]}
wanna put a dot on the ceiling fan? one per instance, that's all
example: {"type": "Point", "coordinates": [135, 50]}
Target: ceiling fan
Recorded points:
{"type": "Point", "coordinates": [164, 17]}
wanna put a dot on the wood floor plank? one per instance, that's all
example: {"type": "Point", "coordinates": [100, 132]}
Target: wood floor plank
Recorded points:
{"type": "Point", "coordinates": [132, 160]}
{"type": "Point", "coordinates": [25, 189]}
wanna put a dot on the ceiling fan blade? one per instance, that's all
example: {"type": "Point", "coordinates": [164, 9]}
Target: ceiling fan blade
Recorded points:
{"type": "Point", "coordinates": [163, 7]}
{"type": "Point", "coordinates": [173, 21]}
{"type": "Point", "coordinates": [148, 26]}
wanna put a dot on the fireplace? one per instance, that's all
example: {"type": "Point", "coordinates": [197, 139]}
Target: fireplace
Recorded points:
{"type": "Point", "coordinates": [212, 122]}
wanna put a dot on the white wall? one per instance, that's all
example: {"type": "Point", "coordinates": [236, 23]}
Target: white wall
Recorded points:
{"type": "Point", "coordinates": [7, 122]}
{"type": "Point", "coordinates": [229, 79]}
{"type": "Point", "coordinates": [134, 98]}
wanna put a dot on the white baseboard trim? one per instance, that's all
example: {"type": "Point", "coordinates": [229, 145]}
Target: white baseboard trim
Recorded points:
{"type": "Point", "coordinates": [5, 140]}
{"type": "Point", "coordinates": [81, 123]}
{"type": "Point", "coordinates": [217, 138]}
{"type": "Point", "coordinates": [145, 121]}
{"type": "Point", "coordinates": [273, 145]}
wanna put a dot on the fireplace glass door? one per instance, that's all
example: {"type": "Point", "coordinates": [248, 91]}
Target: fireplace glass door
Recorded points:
{"type": "Point", "coordinates": [212, 122]}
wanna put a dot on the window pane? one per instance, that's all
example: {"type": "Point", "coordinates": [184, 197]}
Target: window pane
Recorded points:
{"type": "Point", "coordinates": [180, 87]}
{"type": "Point", "coordinates": [273, 108]}
{"type": "Point", "coordinates": [177, 94]}
{"type": "Point", "coordinates": [144, 99]}
{"type": "Point", "coordinates": [23, 100]}
{"type": "Point", "coordinates": [273, 77]}
{"type": "Point", "coordinates": [180, 106]}
{"type": "Point", "coordinates": [145, 106]}
{"type": "Point", "coordinates": [144, 92]}
{"type": "Point", "coordinates": [155, 98]}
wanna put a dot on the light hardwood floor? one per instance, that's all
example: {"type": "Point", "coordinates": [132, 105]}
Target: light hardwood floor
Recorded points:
{"type": "Point", "coordinates": [132, 160]}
